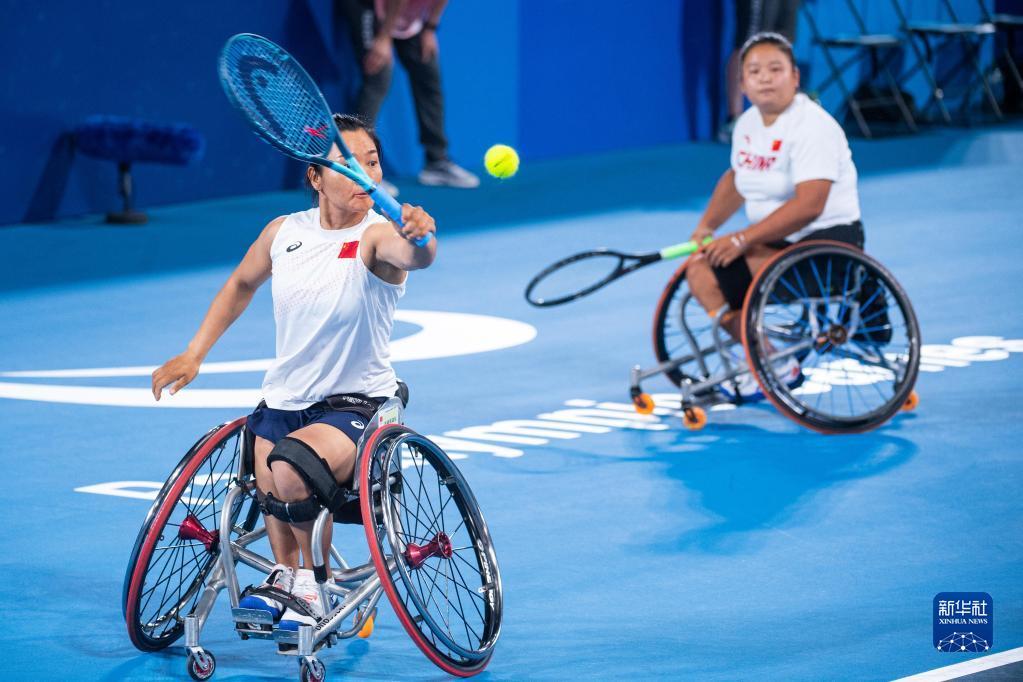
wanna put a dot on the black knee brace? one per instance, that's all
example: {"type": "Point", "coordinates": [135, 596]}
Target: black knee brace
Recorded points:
{"type": "Point", "coordinates": [291, 512]}
{"type": "Point", "coordinates": [318, 477]}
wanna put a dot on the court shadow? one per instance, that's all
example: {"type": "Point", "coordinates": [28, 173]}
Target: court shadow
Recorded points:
{"type": "Point", "coordinates": [738, 478]}
{"type": "Point", "coordinates": [49, 191]}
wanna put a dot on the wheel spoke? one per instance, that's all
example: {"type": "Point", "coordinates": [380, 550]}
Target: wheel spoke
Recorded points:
{"type": "Point", "coordinates": [174, 577]}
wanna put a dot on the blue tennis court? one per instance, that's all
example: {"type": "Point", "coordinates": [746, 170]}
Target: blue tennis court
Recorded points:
{"type": "Point", "coordinates": [629, 546]}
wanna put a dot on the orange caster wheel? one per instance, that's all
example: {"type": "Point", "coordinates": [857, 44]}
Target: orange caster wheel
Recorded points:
{"type": "Point", "coordinates": [367, 627]}
{"type": "Point", "coordinates": [643, 403]}
{"type": "Point", "coordinates": [694, 418]}
{"type": "Point", "coordinates": [911, 402]}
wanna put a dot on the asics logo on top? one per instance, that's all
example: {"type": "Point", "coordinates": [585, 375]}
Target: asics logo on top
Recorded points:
{"type": "Point", "coordinates": [294, 246]}
{"type": "Point", "coordinates": [357, 424]}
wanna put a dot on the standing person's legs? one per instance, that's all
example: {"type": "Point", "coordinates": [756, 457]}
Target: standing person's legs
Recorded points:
{"type": "Point", "coordinates": [424, 77]}
{"type": "Point", "coordinates": [747, 17]}
{"type": "Point", "coordinates": [746, 21]}
{"type": "Point", "coordinates": [780, 16]}
{"type": "Point", "coordinates": [362, 24]}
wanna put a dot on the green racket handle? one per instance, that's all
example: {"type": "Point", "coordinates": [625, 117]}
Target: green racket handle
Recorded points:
{"type": "Point", "coordinates": [683, 249]}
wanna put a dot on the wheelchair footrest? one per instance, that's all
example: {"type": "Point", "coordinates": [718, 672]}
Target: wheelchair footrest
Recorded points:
{"type": "Point", "coordinates": [252, 616]}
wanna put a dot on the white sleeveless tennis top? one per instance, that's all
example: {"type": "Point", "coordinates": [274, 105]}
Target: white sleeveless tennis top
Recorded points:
{"type": "Point", "coordinates": [333, 315]}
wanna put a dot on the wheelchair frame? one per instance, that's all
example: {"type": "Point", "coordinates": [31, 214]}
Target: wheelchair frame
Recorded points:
{"type": "Point", "coordinates": [698, 392]}
{"type": "Point", "coordinates": [358, 588]}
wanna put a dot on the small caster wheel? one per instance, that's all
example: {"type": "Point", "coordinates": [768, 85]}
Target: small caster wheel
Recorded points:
{"type": "Point", "coordinates": [367, 627]}
{"type": "Point", "coordinates": [911, 402]}
{"type": "Point", "coordinates": [201, 665]}
{"type": "Point", "coordinates": [643, 403]}
{"type": "Point", "coordinates": [694, 418]}
{"type": "Point", "coordinates": [311, 670]}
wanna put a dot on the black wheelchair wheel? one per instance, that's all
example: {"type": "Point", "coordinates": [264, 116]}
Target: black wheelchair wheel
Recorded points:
{"type": "Point", "coordinates": [177, 546]}
{"type": "Point", "coordinates": [432, 549]}
{"type": "Point", "coordinates": [850, 325]}
{"type": "Point", "coordinates": [683, 331]}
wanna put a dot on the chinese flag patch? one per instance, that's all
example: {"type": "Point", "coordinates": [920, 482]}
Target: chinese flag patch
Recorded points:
{"type": "Point", "coordinates": [776, 146]}
{"type": "Point", "coordinates": [348, 250]}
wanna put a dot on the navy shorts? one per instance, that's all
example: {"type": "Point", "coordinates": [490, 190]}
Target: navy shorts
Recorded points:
{"type": "Point", "coordinates": [273, 425]}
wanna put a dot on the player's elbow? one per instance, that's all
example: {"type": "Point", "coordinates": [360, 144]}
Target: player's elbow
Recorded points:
{"type": "Point", "coordinates": [422, 258]}
{"type": "Point", "coordinates": [812, 198]}
{"type": "Point", "coordinates": [813, 212]}
{"type": "Point", "coordinates": [240, 285]}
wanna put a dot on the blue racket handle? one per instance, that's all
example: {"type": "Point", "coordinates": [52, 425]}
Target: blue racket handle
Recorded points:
{"type": "Point", "coordinates": [393, 210]}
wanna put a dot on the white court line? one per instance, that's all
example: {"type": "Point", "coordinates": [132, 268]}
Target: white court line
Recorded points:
{"type": "Point", "coordinates": [951, 672]}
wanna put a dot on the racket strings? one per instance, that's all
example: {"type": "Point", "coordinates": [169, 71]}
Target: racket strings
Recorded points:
{"type": "Point", "coordinates": [574, 278]}
{"type": "Point", "coordinates": [278, 96]}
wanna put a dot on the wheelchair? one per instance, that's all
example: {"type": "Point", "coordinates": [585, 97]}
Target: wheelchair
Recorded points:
{"type": "Point", "coordinates": [833, 308]}
{"type": "Point", "coordinates": [430, 552]}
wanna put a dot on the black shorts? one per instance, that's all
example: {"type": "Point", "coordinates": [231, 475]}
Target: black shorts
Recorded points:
{"type": "Point", "coordinates": [350, 414]}
{"type": "Point", "coordinates": [734, 279]}
{"type": "Point", "coordinates": [850, 233]}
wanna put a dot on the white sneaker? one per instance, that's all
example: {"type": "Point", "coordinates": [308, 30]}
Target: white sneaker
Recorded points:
{"type": "Point", "coordinates": [307, 590]}
{"type": "Point", "coordinates": [282, 578]}
{"type": "Point", "coordinates": [448, 174]}
{"type": "Point", "coordinates": [787, 370]}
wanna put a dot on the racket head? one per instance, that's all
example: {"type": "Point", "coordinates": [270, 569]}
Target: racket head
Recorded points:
{"type": "Point", "coordinates": [577, 276]}
{"type": "Point", "coordinates": [282, 103]}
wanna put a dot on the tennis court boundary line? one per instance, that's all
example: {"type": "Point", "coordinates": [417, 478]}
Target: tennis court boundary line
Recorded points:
{"type": "Point", "coordinates": [951, 672]}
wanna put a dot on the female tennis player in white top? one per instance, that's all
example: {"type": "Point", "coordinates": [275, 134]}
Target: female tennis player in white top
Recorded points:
{"type": "Point", "coordinates": [338, 270]}
{"type": "Point", "coordinates": [792, 168]}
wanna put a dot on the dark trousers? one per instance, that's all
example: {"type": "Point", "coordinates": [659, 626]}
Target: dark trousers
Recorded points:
{"type": "Point", "coordinates": [754, 16]}
{"type": "Point", "coordinates": [424, 77]}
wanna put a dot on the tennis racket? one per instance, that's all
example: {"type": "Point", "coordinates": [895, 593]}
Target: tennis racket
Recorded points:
{"type": "Point", "coordinates": [582, 274]}
{"type": "Point", "coordinates": [285, 108]}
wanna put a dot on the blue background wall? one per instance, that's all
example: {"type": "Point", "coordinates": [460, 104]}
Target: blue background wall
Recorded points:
{"type": "Point", "coordinates": [553, 77]}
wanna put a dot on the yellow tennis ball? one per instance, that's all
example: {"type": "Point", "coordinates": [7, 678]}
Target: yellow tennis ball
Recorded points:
{"type": "Point", "coordinates": [501, 161]}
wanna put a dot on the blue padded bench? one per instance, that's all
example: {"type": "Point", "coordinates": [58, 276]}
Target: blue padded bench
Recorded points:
{"type": "Point", "coordinates": [129, 140]}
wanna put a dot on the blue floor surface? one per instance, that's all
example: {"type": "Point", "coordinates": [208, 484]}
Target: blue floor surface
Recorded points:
{"type": "Point", "coordinates": [750, 550]}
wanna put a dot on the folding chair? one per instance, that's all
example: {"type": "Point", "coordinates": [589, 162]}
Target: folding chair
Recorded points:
{"type": "Point", "coordinates": [969, 36]}
{"type": "Point", "coordinates": [880, 47]}
{"type": "Point", "coordinates": [1007, 24]}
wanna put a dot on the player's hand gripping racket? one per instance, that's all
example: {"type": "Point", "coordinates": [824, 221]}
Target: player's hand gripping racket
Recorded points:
{"type": "Point", "coordinates": [283, 105]}
{"type": "Point", "coordinates": [582, 274]}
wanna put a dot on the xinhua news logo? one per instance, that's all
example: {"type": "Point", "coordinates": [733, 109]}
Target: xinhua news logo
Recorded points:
{"type": "Point", "coordinates": [964, 622]}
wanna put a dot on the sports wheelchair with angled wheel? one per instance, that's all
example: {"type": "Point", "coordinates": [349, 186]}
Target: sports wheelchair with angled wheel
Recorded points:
{"type": "Point", "coordinates": [429, 546]}
{"type": "Point", "coordinates": [827, 305]}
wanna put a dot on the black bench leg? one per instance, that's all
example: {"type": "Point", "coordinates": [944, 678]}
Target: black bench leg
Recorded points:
{"type": "Point", "coordinates": [127, 216]}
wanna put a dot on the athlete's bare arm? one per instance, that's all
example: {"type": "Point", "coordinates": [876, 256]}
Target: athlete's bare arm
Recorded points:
{"type": "Point", "coordinates": [390, 255]}
{"type": "Point", "coordinates": [229, 303]}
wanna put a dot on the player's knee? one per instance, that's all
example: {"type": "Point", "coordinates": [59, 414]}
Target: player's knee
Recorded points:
{"type": "Point", "coordinates": [290, 485]}
{"type": "Point", "coordinates": [699, 276]}
{"type": "Point", "coordinates": [299, 472]}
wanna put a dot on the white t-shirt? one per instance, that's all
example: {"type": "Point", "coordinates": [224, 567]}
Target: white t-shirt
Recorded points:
{"type": "Point", "coordinates": [333, 315]}
{"type": "Point", "coordinates": [804, 143]}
